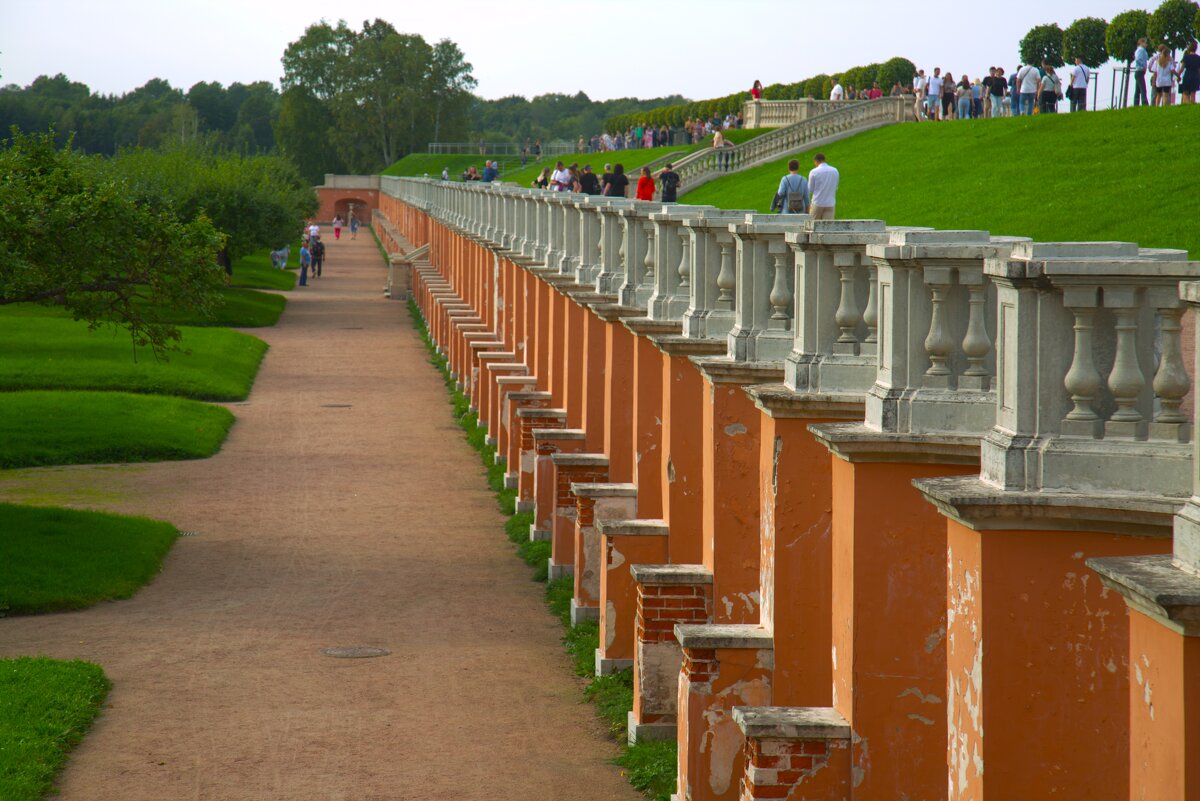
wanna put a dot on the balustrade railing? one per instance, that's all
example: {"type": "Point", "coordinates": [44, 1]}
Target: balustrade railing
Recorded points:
{"type": "Point", "coordinates": [1090, 372]}
{"type": "Point", "coordinates": [712, 277]}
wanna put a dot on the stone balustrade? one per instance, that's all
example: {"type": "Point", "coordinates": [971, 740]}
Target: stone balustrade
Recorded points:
{"type": "Point", "coordinates": [828, 443]}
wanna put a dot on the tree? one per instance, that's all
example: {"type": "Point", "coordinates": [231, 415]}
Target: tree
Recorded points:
{"type": "Point", "coordinates": [303, 134]}
{"type": "Point", "coordinates": [1120, 40]}
{"type": "Point", "coordinates": [1084, 38]}
{"type": "Point", "coordinates": [316, 61]}
{"type": "Point", "coordinates": [893, 70]}
{"type": "Point", "coordinates": [1173, 23]}
{"type": "Point", "coordinates": [72, 235]}
{"type": "Point", "coordinates": [1043, 43]}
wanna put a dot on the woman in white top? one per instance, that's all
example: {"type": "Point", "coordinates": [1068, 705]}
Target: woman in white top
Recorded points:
{"type": "Point", "coordinates": [1163, 68]}
{"type": "Point", "coordinates": [1050, 87]}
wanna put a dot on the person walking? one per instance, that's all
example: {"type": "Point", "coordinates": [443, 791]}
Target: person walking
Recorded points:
{"type": "Point", "coordinates": [645, 185]}
{"type": "Point", "coordinates": [605, 177]}
{"type": "Point", "coordinates": [1030, 80]}
{"type": "Point", "coordinates": [1079, 85]}
{"type": "Point", "coordinates": [823, 184]}
{"type": "Point", "coordinates": [669, 180]}
{"type": "Point", "coordinates": [964, 98]}
{"type": "Point", "coordinates": [1189, 75]}
{"type": "Point", "coordinates": [1051, 89]}
{"type": "Point", "coordinates": [588, 183]}
{"type": "Point", "coordinates": [793, 191]}
{"type": "Point", "coordinates": [933, 96]}
{"type": "Point", "coordinates": [560, 179]}
{"type": "Point", "coordinates": [353, 226]}
{"type": "Point", "coordinates": [337, 227]}
{"type": "Point", "coordinates": [618, 183]}
{"type": "Point", "coordinates": [1141, 61]}
{"type": "Point", "coordinates": [305, 262]}
{"type": "Point", "coordinates": [543, 180]}
{"type": "Point", "coordinates": [489, 171]}
{"type": "Point", "coordinates": [317, 251]}
{"type": "Point", "coordinates": [1162, 67]}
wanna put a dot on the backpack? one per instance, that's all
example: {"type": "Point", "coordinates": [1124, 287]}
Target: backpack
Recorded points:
{"type": "Point", "coordinates": [669, 180]}
{"type": "Point", "coordinates": [795, 200]}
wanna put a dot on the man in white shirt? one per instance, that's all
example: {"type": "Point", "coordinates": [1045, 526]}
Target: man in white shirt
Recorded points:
{"type": "Point", "coordinates": [1029, 81]}
{"type": "Point", "coordinates": [560, 178]}
{"type": "Point", "coordinates": [838, 92]}
{"type": "Point", "coordinates": [822, 186]}
{"type": "Point", "coordinates": [1079, 84]}
{"type": "Point", "coordinates": [933, 98]}
{"type": "Point", "coordinates": [1141, 59]}
{"type": "Point", "coordinates": [920, 85]}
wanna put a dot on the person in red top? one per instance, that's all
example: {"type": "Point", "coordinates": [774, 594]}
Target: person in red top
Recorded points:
{"type": "Point", "coordinates": [874, 93]}
{"type": "Point", "coordinates": [645, 189]}
{"type": "Point", "coordinates": [756, 91]}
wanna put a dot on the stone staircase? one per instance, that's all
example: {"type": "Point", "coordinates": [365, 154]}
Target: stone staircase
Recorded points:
{"type": "Point", "coordinates": [847, 119]}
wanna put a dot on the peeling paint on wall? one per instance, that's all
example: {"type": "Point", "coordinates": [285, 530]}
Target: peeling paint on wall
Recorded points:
{"type": "Point", "coordinates": [734, 429]}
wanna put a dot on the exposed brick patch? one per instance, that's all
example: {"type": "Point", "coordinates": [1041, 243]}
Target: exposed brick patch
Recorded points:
{"type": "Point", "coordinates": [569, 474]}
{"type": "Point", "coordinates": [700, 665]}
{"type": "Point", "coordinates": [660, 608]}
{"type": "Point", "coordinates": [774, 768]}
{"type": "Point", "coordinates": [585, 511]}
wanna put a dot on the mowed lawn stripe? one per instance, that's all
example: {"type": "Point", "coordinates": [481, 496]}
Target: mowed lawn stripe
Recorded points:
{"type": "Point", "coordinates": [53, 353]}
{"type": "Point", "coordinates": [40, 428]}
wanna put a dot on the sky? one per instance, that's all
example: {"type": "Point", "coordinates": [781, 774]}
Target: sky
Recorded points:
{"type": "Point", "coordinates": [606, 48]}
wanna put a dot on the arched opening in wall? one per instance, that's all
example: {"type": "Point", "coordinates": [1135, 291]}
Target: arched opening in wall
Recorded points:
{"type": "Point", "coordinates": [362, 209]}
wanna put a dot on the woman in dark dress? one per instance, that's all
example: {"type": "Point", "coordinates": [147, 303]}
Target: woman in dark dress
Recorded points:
{"type": "Point", "coordinates": [1189, 75]}
{"type": "Point", "coordinates": [618, 184]}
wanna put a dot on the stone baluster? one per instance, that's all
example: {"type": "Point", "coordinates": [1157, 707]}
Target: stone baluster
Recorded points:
{"type": "Point", "coordinates": [554, 227]}
{"type": "Point", "coordinates": [758, 240]}
{"type": "Point", "coordinates": [833, 281]}
{"type": "Point", "coordinates": [1097, 431]}
{"type": "Point", "coordinates": [589, 240]}
{"type": "Point", "coordinates": [669, 299]}
{"type": "Point", "coordinates": [568, 210]}
{"type": "Point", "coordinates": [781, 318]}
{"type": "Point", "coordinates": [1171, 382]}
{"type": "Point", "coordinates": [706, 317]}
{"type": "Point", "coordinates": [727, 277]}
{"type": "Point", "coordinates": [927, 281]}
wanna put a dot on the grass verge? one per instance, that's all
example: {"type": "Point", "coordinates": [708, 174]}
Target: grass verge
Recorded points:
{"type": "Point", "coordinates": [58, 353]}
{"type": "Point", "coordinates": [56, 559]}
{"type": "Point", "coordinates": [102, 427]}
{"type": "Point", "coordinates": [46, 706]}
{"type": "Point", "coordinates": [649, 766]}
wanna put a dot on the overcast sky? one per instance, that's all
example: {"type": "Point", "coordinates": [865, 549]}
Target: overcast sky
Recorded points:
{"type": "Point", "coordinates": [606, 48]}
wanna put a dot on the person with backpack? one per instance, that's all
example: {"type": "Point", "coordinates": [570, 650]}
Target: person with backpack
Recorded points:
{"type": "Point", "coordinates": [793, 191]}
{"type": "Point", "coordinates": [305, 261]}
{"type": "Point", "coordinates": [669, 180]}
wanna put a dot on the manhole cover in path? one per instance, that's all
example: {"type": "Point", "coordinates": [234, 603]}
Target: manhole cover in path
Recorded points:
{"type": "Point", "coordinates": [336, 405]}
{"type": "Point", "coordinates": [354, 651]}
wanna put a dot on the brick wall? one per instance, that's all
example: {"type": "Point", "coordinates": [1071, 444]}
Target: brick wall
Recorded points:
{"type": "Point", "coordinates": [776, 768]}
{"type": "Point", "coordinates": [661, 607]}
{"type": "Point", "coordinates": [569, 474]}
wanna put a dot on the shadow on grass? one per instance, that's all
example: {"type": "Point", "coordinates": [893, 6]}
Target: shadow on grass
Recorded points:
{"type": "Point", "coordinates": [649, 766]}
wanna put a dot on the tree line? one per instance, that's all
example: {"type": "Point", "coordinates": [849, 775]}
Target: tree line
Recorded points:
{"type": "Point", "coordinates": [818, 86]}
{"type": "Point", "coordinates": [1094, 41]}
{"type": "Point", "coordinates": [351, 100]}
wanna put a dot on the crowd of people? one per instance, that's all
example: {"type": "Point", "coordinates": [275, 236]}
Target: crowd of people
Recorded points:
{"type": "Point", "coordinates": [613, 182]}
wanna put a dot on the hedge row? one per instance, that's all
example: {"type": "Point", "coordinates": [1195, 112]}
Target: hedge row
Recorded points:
{"type": "Point", "coordinates": [818, 86]}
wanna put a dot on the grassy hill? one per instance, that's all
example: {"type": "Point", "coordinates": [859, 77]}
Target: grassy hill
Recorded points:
{"type": "Point", "coordinates": [1112, 175]}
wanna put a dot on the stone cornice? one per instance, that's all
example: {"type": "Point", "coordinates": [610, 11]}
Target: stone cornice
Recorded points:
{"type": "Point", "coordinates": [980, 506]}
{"type": "Point", "coordinates": [678, 345]}
{"type": "Point", "coordinates": [1156, 587]}
{"type": "Point", "coordinates": [782, 402]}
{"type": "Point", "coordinates": [854, 442]}
{"type": "Point", "coordinates": [728, 371]}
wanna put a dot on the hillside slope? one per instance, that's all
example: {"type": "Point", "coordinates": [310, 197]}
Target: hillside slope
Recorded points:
{"type": "Point", "coordinates": [1113, 175]}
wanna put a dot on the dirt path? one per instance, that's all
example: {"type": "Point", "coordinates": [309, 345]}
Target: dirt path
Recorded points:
{"type": "Point", "coordinates": [318, 527]}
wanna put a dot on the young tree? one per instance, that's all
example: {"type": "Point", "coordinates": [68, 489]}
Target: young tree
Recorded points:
{"type": "Point", "coordinates": [1123, 32]}
{"type": "Point", "coordinates": [1084, 38]}
{"type": "Point", "coordinates": [73, 235]}
{"type": "Point", "coordinates": [1043, 43]}
{"type": "Point", "coordinates": [1173, 23]}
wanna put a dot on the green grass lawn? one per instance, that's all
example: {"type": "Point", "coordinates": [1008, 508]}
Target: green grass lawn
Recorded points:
{"type": "Point", "coordinates": [56, 353]}
{"type": "Point", "coordinates": [54, 428]}
{"type": "Point", "coordinates": [56, 559]}
{"type": "Point", "coordinates": [255, 271]}
{"type": "Point", "coordinates": [239, 308]}
{"type": "Point", "coordinates": [46, 706]}
{"type": "Point", "coordinates": [1111, 175]}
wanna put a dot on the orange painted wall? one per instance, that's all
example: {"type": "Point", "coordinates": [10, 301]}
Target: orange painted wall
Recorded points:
{"type": "Point", "coordinates": [730, 523]}
{"type": "Point", "coordinates": [1164, 712]}
{"type": "Point", "coordinates": [618, 402]}
{"type": "Point", "coordinates": [595, 376]}
{"type": "Point", "coordinates": [683, 463]}
{"type": "Point", "coordinates": [1039, 698]}
{"type": "Point", "coordinates": [647, 428]}
{"type": "Point", "coordinates": [796, 560]}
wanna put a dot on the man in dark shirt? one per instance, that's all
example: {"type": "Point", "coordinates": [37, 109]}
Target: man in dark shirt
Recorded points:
{"type": "Point", "coordinates": [987, 91]}
{"type": "Point", "coordinates": [317, 248]}
{"type": "Point", "coordinates": [668, 179]}
{"type": "Point", "coordinates": [588, 181]}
